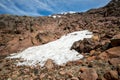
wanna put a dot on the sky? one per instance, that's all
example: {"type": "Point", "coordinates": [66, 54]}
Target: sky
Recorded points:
{"type": "Point", "coordinates": [47, 7]}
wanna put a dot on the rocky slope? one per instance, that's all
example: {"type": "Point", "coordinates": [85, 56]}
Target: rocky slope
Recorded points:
{"type": "Point", "coordinates": [102, 63]}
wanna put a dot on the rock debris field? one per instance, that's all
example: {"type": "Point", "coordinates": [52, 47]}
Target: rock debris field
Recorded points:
{"type": "Point", "coordinates": [70, 46]}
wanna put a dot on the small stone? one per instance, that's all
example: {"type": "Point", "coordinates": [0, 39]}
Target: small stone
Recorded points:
{"type": "Point", "coordinates": [82, 69]}
{"type": "Point", "coordinates": [78, 62]}
{"type": "Point", "coordinates": [92, 52]}
{"type": "Point", "coordinates": [95, 31]}
{"type": "Point", "coordinates": [91, 58]}
{"type": "Point", "coordinates": [88, 74]}
{"type": "Point", "coordinates": [21, 38]}
{"type": "Point", "coordinates": [14, 76]}
{"type": "Point", "coordinates": [50, 77]}
{"type": "Point", "coordinates": [90, 64]}
{"type": "Point", "coordinates": [62, 72]}
{"type": "Point", "coordinates": [42, 76]}
{"type": "Point", "coordinates": [49, 64]}
{"type": "Point", "coordinates": [96, 38]}
{"type": "Point", "coordinates": [111, 75]}
{"type": "Point", "coordinates": [69, 73]}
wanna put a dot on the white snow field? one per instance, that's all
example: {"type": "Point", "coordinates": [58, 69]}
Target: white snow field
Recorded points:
{"type": "Point", "coordinates": [59, 50]}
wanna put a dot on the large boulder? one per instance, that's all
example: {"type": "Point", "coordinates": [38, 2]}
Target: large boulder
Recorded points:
{"type": "Point", "coordinates": [44, 37]}
{"type": "Point", "coordinates": [85, 45]}
{"type": "Point", "coordinates": [111, 53]}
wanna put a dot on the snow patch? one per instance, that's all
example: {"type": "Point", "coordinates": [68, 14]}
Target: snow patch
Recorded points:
{"type": "Point", "coordinates": [70, 12]}
{"type": "Point", "coordinates": [55, 16]}
{"type": "Point", "coordinates": [59, 50]}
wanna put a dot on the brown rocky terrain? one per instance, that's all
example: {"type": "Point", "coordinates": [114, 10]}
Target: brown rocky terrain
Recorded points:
{"type": "Point", "coordinates": [102, 51]}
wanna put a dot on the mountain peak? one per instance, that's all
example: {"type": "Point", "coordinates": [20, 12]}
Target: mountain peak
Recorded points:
{"type": "Point", "coordinates": [113, 8]}
{"type": "Point", "coordinates": [114, 3]}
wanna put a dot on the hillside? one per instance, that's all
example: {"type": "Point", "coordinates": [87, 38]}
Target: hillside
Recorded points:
{"type": "Point", "coordinates": [101, 53]}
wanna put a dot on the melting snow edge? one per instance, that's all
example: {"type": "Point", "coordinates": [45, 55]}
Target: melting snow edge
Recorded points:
{"type": "Point", "coordinates": [59, 50]}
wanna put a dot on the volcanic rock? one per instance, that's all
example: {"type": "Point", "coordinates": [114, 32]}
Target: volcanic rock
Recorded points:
{"type": "Point", "coordinates": [111, 53]}
{"type": "Point", "coordinates": [44, 37]}
{"type": "Point", "coordinates": [42, 75]}
{"type": "Point", "coordinates": [62, 72]}
{"type": "Point", "coordinates": [88, 73]}
{"type": "Point", "coordinates": [49, 64]}
{"type": "Point", "coordinates": [86, 45]}
{"type": "Point", "coordinates": [114, 61]}
{"type": "Point", "coordinates": [111, 75]}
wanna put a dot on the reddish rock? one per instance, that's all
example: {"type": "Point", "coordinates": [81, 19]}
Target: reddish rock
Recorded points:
{"type": "Point", "coordinates": [50, 78]}
{"type": "Point", "coordinates": [70, 74]}
{"type": "Point", "coordinates": [91, 58]}
{"type": "Point", "coordinates": [82, 69]}
{"type": "Point", "coordinates": [13, 48]}
{"type": "Point", "coordinates": [78, 62]}
{"type": "Point", "coordinates": [96, 38]}
{"type": "Point", "coordinates": [111, 75]}
{"type": "Point", "coordinates": [13, 41]}
{"type": "Point", "coordinates": [95, 31]}
{"type": "Point", "coordinates": [114, 61]}
{"type": "Point", "coordinates": [110, 53]}
{"type": "Point", "coordinates": [13, 45]}
{"type": "Point", "coordinates": [116, 36]}
{"type": "Point", "coordinates": [88, 74]}
{"type": "Point", "coordinates": [62, 72]}
{"type": "Point", "coordinates": [103, 55]}
{"type": "Point", "coordinates": [26, 42]}
{"type": "Point", "coordinates": [35, 41]}
{"type": "Point", "coordinates": [49, 64]}
{"type": "Point", "coordinates": [92, 52]}
{"type": "Point", "coordinates": [45, 37]}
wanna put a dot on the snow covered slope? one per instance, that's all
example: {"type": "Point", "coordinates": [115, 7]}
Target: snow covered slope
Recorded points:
{"type": "Point", "coordinates": [47, 7]}
{"type": "Point", "coordinates": [59, 50]}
